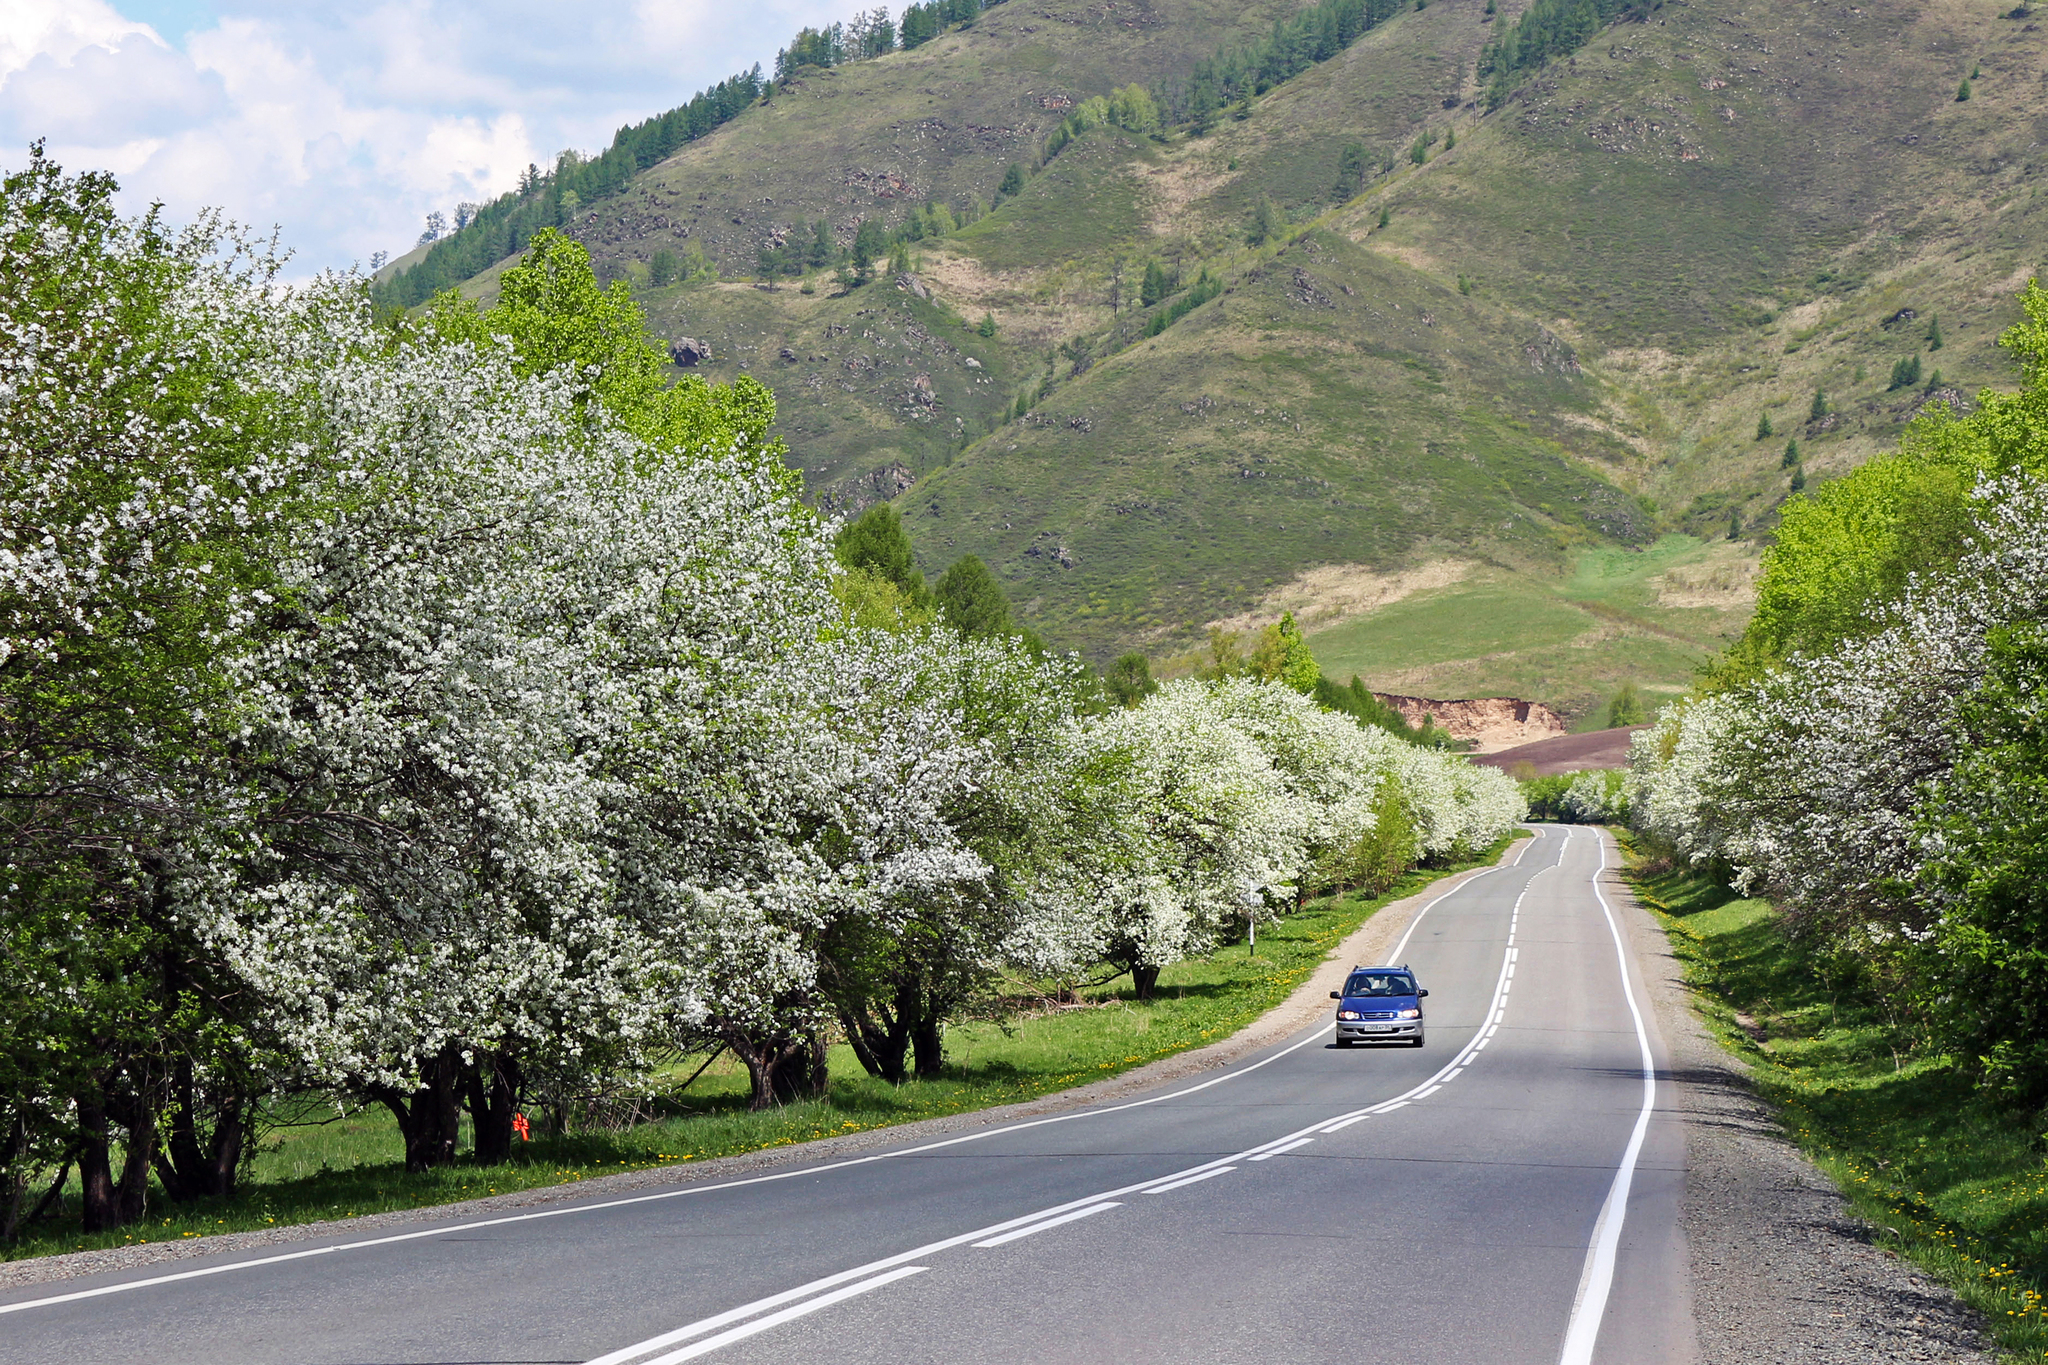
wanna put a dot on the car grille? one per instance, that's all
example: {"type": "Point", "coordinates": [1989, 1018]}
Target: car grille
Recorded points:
{"type": "Point", "coordinates": [1382, 1014]}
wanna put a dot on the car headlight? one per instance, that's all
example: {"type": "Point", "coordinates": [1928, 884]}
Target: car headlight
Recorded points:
{"type": "Point", "coordinates": [1347, 1014]}
{"type": "Point", "coordinates": [1411, 1014]}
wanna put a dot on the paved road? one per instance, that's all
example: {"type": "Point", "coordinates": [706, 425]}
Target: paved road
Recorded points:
{"type": "Point", "coordinates": [1509, 1193]}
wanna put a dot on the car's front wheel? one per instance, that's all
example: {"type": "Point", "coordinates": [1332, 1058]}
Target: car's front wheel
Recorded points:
{"type": "Point", "coordinates": [1418, 1038]}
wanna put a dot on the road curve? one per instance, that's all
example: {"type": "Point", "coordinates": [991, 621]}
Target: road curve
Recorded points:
{"type": "Point", "coordinates": [1510, 1193]}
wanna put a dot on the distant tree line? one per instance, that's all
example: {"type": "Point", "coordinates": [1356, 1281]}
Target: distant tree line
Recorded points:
{"type": "Point", "coordinates": [1549, 28]}
{"type": "Point", "coordinates": [1296, 43]}
{"type": "Point", "coordinates": [546, 199]}
{"type": "Point", "coordinates": [871, 33]}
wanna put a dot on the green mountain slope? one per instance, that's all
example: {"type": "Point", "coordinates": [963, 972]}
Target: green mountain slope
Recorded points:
{"type": "Point", "coordinates": [1551, 335]}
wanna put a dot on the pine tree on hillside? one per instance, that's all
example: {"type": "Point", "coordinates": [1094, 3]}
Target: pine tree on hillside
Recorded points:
{"type": "Point", "coordinates": [1934, 332]}
{"type": "Point", "coordinates": [1129, 679]}
{"type": "Point", "coordinates": [877, 543]}
{"type": "Point", "coordinates": [972, 600]}
{"type": "Point", "coordinates": [1791, 455]}
{"type": "Point", "coordinates": [1153, 288]}
{"type": "Point", "coordinates": [870, 240]}
{"type": "Point", "coordinates": [1013, 180]}
{"type": "Point", "coordinates": [1265, 223]}
{"type": "Point", "coordinates": [1819, 408]}
{"type": "Point", "coordinates": [1763, 427]}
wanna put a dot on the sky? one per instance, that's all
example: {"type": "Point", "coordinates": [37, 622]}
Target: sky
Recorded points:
{"type": "Point", "coordinates": [345, 124]}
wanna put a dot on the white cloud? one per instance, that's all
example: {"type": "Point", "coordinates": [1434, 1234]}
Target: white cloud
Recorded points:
{"type": "Point", "coordinates": [345, 124]}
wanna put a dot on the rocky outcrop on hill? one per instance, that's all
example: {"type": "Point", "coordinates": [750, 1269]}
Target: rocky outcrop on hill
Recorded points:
{"type": "Point", "coordinates": [1491, 723]}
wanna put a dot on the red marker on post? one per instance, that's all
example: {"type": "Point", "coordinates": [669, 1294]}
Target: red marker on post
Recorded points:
{"type": "Point", "coordinates": [522, 1127]}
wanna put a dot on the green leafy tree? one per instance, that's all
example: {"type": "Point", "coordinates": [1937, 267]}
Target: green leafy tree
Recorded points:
{"type": "Point", "coordinates": [1129, 679]}
{"type": "Point", "coordinates": [972, 601]}
{"type": "Point", "coordinates": [1989, 816]}
{"type": "Point", "coordinates": [1283, 656]}
{"type": "Point", "coordinates": [1626, 708]}
{"type": "Point", "coordinates": [1012, 182]}
{"type": "Point", "coordinates": [877, 543]}
{"type": "Point", "coordinates": [1764, 430]}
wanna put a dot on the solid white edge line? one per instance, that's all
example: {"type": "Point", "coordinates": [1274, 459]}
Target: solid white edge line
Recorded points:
{"type": "Point", "coordinates": [786, 1315]}
{"type": "Point", "coordinates": [1191, 1179]}
{"type": "Point", "coordinates": [1582, 1333]}
{"type": "Point", "coordinates": [1037, 1228]}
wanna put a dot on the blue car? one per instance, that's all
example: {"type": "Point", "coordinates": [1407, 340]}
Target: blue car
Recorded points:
{"type": "Point", "coordinates": [1379, 1005]}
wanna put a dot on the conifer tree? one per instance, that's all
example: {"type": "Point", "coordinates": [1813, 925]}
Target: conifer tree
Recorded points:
{"type": "Point", "coordinates": [972, 600]}
{"type": "Point", "coordinates": [1153, 289]}
{"type": "Point", "coordinates": [1934, 332]}
{"type": "Point", "coordinates": [1763, 427]}
{"type": "Point", "coordinates": [1013, 180]}
{"type": "Point", "coordinates": [877, 543]}
{"type": "Point", "coordinates": [1820, 406]}
{"type": "Point", "coordinates": [1791, 454]}
{"type": "Point", "coordinates": [1265, 223]}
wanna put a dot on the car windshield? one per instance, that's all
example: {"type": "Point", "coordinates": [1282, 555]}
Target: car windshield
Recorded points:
{"type": "Point", "coordinates": [1379, 983]}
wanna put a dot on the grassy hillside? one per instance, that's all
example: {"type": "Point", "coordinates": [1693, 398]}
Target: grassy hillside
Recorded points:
{"type": "Point", "coordinates": [1546, 343]}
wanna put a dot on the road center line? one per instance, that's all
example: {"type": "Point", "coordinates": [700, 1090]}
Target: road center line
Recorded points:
{"type": "Point", "coordinates": [1069, 1217]}
{"type": "Point", "coordinates": [1283, 1147]}
{"type": "Point", "coordinates": [1195, 1179]}
{"type": "Point", "coordinates": [788, 1314]}
{"type": "Point", "coordinates": [1582, 1333]}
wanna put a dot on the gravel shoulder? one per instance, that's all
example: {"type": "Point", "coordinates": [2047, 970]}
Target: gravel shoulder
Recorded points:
{"type": "Point", "coordinates": [1309, 1002]}
{"type": "Point", "coordinates": [1783, 1272]}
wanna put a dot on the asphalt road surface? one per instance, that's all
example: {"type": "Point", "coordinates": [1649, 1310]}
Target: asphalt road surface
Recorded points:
{"type": "Point", "coordinates": [1508, 1193]}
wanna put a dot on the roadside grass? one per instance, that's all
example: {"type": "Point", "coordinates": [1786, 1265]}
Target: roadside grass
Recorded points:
{"type": "Point", "coordinates": [337, 1165]}
{"type": "Point", "coordinates": [1943, 1175]}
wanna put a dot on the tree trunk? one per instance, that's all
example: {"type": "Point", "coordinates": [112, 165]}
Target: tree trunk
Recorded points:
{"type": "Point", "coordinates": [96, 1171]}
{"type": "Point", "coordinates": [781, 1069]}
{"type": "Point", "coordinates": [929, 1036]}
{"type": "Point", "coordinates": [12, 1152]}
{"type": "Point", "coordinates": [881, 1047]}
{"type": "Point", "coordinates": [131, 1196]}
{"type": "Point", "coordinates": [1144, 979]}
{"type": "Point", "coordinates": [493, 1100]}
{"type": "Point", "coordinates": [195, 1162]}
{"type": "Point", "coordinates": [429, 1117]}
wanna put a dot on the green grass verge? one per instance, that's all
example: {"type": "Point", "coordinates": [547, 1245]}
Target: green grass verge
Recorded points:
{"type": "Point", "coordinates": [1945, 1177]}
{"type": "Point", "coordinates": [353, 1164]}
